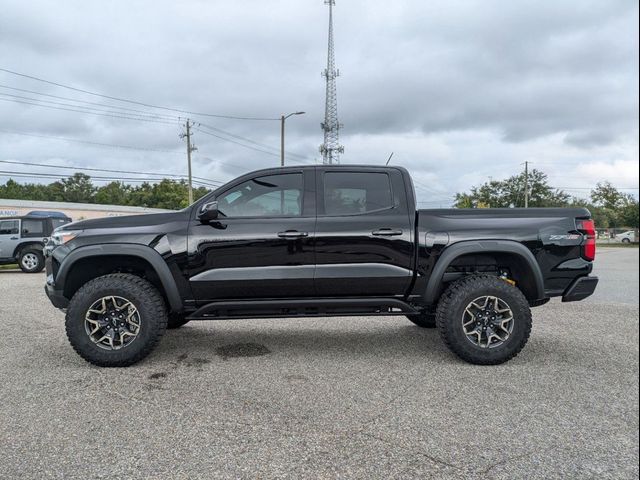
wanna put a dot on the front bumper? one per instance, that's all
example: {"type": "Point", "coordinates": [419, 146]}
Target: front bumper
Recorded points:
{"type": "Point", "coordinates": [580, 289]}
{"type": "Point", "coordinates": [56, 296]}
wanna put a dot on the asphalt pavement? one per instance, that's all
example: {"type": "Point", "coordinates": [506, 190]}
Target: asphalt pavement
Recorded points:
{"type": "Point", "coordinates": [357, 397]}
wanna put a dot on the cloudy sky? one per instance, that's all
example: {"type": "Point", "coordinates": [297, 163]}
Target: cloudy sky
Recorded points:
{"type": "Point", "coordinates": [460, 91]}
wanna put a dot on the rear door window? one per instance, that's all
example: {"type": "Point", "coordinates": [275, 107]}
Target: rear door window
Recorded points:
{"type": "Point", "coordinates": [33, 228]}
{"type": "Point", "coordinates": [352, 193]}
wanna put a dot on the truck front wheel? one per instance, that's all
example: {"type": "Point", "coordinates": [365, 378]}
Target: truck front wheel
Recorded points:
{"type": "Point", "coordinates": [116, 320]}
{"type": "Point", "coordinates": [484, 320]}
{"type": "Point", "coordinates": [176, 320]}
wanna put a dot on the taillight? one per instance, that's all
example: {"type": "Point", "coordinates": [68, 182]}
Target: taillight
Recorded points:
{"type": "Point", "coordinates": [588, 229]}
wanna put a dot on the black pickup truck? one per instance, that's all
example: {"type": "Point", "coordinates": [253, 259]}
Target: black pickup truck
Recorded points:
{"type": "Point", "coordinates": [317, 241]}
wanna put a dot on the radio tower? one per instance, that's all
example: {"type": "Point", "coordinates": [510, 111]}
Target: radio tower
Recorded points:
{"type": "Point", "coordinates": [331, 147]}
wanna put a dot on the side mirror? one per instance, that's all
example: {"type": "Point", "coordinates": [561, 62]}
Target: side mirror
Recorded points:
{"type": "Point", "coordinates": [208, 212]}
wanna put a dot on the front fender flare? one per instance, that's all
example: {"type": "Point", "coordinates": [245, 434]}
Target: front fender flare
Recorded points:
{"type": "Point", "coordinates": [129, 249]}
{"type": "Point", "coordinates": [434, 285]}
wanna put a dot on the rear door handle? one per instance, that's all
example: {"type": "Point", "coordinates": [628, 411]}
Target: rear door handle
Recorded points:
{"type": "Point", "coordinates": [14, 238]}
{"type": "Point", "coordinates": [387, 232]}
{"type": "Point", "coordinates": [292, 234]}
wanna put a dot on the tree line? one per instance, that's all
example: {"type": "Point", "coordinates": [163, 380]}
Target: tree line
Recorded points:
{"type": "Point", "coordinates": [610, 207]}
{"type": "Point", "coordinates": [167, 193]}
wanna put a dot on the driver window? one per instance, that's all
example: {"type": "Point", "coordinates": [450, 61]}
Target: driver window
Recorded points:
{"type": "Point", "coordinates": [269, 196]}
{"type": "Point", "coordinates": [9, 227]}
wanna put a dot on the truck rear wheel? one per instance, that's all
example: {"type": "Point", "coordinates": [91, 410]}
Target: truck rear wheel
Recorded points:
{"type": "Point", "coordinates": [424, 320]}
{"type": "Point", "coordinates": [116, 320]}
{"type": "Point", "coordinates": [31, 260]}
{"type": "Point", "coordinates": [484, 320]}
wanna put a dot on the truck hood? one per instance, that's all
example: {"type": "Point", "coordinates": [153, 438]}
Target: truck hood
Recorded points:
{"type": "Point", "coordinates": [127, 221]}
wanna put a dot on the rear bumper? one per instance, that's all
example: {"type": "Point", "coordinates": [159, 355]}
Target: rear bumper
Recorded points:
{"type": "Point", "coordinates": [580, 289]}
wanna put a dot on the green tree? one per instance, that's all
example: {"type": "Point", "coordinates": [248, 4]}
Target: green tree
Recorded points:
{"type": "Point", "coordinates": [142, 196]}
{"type": "Point", "coordinates": [510, 193]}
{"type": "Point", "coordinates": [12, 189]}
{"type": "Point", "coordinates": [200, 192]}
{"type": "Point", "coordinates": [629, 213]}
{"type": "Point", "coordinates": [613, 208]}
{"type": "Point", "coordinates": [607, 196]}
{"type": "Point", "coordinates": [55, 191]}
{"type": "Point", "coordinates": [169, 194]}
{"type": "Point", "coordinates": [114, 193]}
{"type": "Point", "coordinates": [78, 188]}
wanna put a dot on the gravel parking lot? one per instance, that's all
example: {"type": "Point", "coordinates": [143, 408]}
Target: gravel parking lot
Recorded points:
{"type": "Point", "coordinates": [324, 398]}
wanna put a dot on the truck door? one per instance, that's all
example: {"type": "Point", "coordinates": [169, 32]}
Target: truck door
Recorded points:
{"type": "Point", "coordinates": [261, 245]}
{"type": "Point", "coordinates": [9, 237]}
{"type": "Point", "coordinates": [363, 233]}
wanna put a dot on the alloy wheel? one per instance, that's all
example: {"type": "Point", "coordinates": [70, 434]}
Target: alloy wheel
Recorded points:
{"type": "Point", "coordinates": [487, 321]}
{"type": "Point", "coordinates": [29, 261]}
{"type": "Point", "coordinates": [112, 322]}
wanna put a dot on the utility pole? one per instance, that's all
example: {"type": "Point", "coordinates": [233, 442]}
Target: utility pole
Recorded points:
{"type": "Point", "coordinates": [526, 184]}
{"type": "Point", "coordinates": [190, 148]}
{"type": "Point", "coordinates": [283, 117]}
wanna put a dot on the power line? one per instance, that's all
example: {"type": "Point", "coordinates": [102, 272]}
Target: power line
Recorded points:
{"type": "Point", "coordinates": [231, 117]}
{"type": "Point", "coordinates": [112, 145]}
{"type": "Point", "coordinates": [240, 137]}
{"type": "Point", "coordinates": [237, 143]}
{"type": "Point", "coordinates": [83, 101]}
{"type": "Point", "coordinates": [7, 173]}
{"type": "Point", "coordinates": [129, 116]}
{"type": "Point", "coordinates": [430, 190]}
{"type": "Point", "coordinates": [92, 113]}
{"type": "Point", "coordinates": [593, 188]}
{"type": "Point", "coordinates": [91, 169]}
{"type": "Point", "coordinates": [93, 109]}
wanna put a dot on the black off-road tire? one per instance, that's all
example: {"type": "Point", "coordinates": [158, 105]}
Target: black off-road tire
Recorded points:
{"type": "Point", "coordinates": [36, 263]}
{"type": "Point", "coordinates": [142, 294]}
{"type": "Point", "coordinates": [424, 320]}
{"type": "Point", "coordinates": [451, 309]}
{"type": "Point", "coordinates": [176, 320]}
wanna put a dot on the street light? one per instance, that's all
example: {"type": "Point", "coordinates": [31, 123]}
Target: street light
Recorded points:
{"type": "Point", "coordinates": [282, 119]}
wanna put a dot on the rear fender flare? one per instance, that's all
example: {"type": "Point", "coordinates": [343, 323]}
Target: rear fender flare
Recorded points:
{"type": "Point", "coordinates": [34, 244]}
{"type": "Point", "coordinates": [130, 249]}
{"type": "Point", "coordinates": [434, 285]}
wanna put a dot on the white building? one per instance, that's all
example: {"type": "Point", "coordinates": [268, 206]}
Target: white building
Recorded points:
{"type": "Point", "coordinates": [75, 211]}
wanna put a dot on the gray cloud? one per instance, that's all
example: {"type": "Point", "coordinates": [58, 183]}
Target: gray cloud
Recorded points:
{"type": "Point", "coordinates": [424, 79]}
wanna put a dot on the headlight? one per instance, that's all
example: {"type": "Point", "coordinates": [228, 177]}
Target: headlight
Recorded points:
{"type": "Point", "coordinates": [62, 237]}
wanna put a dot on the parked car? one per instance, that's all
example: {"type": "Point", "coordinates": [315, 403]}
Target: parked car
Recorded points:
{"type": "Point", "coordinates": [626, 237]}
{"type": "Point", "coordinates": [318, 241]}
{"type": "Point", "coordinates": [22, 240]}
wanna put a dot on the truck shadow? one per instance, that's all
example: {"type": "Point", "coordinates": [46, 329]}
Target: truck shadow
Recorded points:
{"type": "Point", "coordinates": [227, 342]}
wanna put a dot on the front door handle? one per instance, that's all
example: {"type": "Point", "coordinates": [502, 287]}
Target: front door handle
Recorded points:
{"type": "Point", "coordinates": [292, 234]}
{"type": "Point", "coordinates": [387, 232]}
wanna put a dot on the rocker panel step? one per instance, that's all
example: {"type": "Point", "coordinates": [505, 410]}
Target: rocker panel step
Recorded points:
{"type": "Point", "coordinates": [302, 308]}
